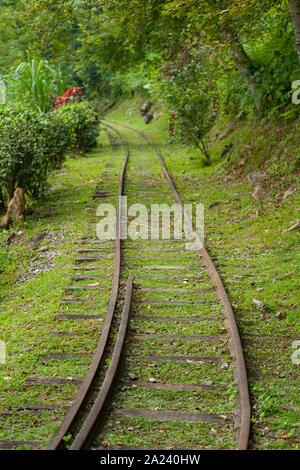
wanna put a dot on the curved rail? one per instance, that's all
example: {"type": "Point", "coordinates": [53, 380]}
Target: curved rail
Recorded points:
{"type": "Point", "coordinates": [237, 350]}
{"type": "Point", "coordinates": [92, 421]}
{"type": "Point", "coordinates": [72, 414]}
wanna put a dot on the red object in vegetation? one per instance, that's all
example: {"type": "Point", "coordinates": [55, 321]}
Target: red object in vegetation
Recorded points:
{"type": "Point", "coordinates": [69, 94]}
{"type": "Point", "coordinates": [77, 91]}
{"type": "Point", "coordinates": [60, 101]}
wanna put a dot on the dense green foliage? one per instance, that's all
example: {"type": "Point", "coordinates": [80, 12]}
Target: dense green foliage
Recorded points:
{"type": "Point", "coordinates": [31, 144]}
{"type": "Point", "coordinates": [82, 124]}
{"type": "Point", "coordinates": [190, 93]}
{"type": "Point", "coordinates": [204, 59]}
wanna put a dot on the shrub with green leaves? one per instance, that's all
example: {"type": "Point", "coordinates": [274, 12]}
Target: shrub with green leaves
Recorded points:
{"type": "Point", "coordinates": [59, 138]}
{"type": "Point", "coordinates": [189, 90]}
{"type": "Point", "coordinates": [82, 124]}
{"type": "Point", "coordinates": [30, 146]}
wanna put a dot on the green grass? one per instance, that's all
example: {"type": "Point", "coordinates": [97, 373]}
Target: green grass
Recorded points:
{"type": "Point", "coordinates": [215, 401]}
{"type": "Point", "coordinates": [30, 300]}
{"type": "Point", "coordinates": [132, 432]}
{"type": "Point", "coordinates": [254, 256]}
{"type": "Point", "coordinates": [144, 166]}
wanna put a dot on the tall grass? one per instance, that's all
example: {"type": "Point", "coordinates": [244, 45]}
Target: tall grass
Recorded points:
{"type": "Point", "coordinates": [32, 82]}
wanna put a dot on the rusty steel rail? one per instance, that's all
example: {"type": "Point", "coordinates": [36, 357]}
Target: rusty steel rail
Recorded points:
{"type": "Point", "coordinates": [244, 408]}
{"type": "Point", "coordinates": [72, 414]}
{"type": "Point", "coordinates": [91, 423]}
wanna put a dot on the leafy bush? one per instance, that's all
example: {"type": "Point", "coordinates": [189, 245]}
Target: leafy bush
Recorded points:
{"type": "Point", "coordinates": [82, 124]}
{"type": "Point", "coordinates": [59, 138]}
{"type": "Point", "coordinates": [30, 146]}
{"type": "Point", "coordinates": [190, 92]}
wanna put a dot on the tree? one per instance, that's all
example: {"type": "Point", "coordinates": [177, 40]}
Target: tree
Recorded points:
{"type": "Point", "coordinates": [224, 25]}
{"type": "Point", "coordinates": [295, 13]}
{"type": "Point", "coordinates": [12, 47]}
{"type": "Point", "coordinates": [188, 88]}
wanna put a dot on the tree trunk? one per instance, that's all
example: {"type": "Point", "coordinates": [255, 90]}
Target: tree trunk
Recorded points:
{"type": "Point", "coordinates": [295, 12]}
{"type": "Point", "coordinates": [243, 63]}
{"type": "Point", "coordinates": [15, 209]}
{"type": "Point", "coordinates": [241, 59]}
{"type": "Point", "coordinates": [203, 147]}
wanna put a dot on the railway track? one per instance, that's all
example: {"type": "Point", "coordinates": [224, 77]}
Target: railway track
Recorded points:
{"type": "Point", "coordinates": [164, 357]}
